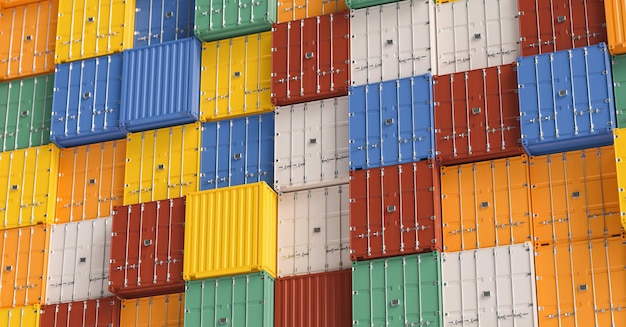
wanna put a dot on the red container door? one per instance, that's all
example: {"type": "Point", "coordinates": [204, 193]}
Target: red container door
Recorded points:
{"type": "Point", "coordinates": [147, 249]}
{"type": "Point", "coordinates": [310, 59]}
{"type": "Point", "coordinates": [103, 312]}
{"type": "Point", "coordinates": [395, 210]}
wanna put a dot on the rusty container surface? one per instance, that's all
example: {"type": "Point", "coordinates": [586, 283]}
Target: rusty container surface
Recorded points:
{"type": "Point", "coordinates": [103, 312]}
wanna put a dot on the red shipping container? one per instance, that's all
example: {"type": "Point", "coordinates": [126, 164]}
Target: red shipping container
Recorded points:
{"type": "Point", "coordinates": [476, 115]}
{"type": "Point", "coordinates": [104, 312]}
{"type": "Point", "coordinates": [316, 300]}
{"type": "Point", "coordinates": [310, 59]}
{"type": "Point", "coordinates": [553, 25]}
{"type": "Point", "coordinates": [395, 210]}
{"type": "Point", "coordinates": [147, 249]}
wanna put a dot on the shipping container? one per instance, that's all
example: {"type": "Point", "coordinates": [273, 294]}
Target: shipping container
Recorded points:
{"type": "Point", "coordinates": [162, 164]}
{"type": "Point", "coordinates": [313, 230]}
{"type": "Point", "coordinates": [237, 151]}
{"type": "Point", "coordinates": [356, 4]}
{"type": "Point", "coordinates": [243, 300]}
{"type": "Point", "coordinates": [575, 196]}
{"type": "Point", "coordinates": [104, 312]}
{"type": "Point", "coordinates": [27, 37]}
{"type": "Point", "coordinates": [20, 316]}
{"type": "Point", "coordinates": [549, 26]}
{"type": "Point", "coordinates": [235, 78]}
{"type": "Point", "coordinates": [398, 292]}
{"type": "Point", "coordinates": [147, 249]}
{"type": "Point", "coordinates": [311, 145]}
{"type": "Point", "coordinates": [618, 68]}
{"type": "Point", "coordinates": [91, 181]}
{"type": "Point", "coordinates": [566, 100]}
{"type": "Point", "coordinates": [161, 85]}
{"type": "Point", "coordinates": [86, 102]}
{"type": "Point", "coordinates": [616, 31]}
{"type": "Point", "coordinates": [29, 186]}
{"type": "Point", "coordinates": [619, 135]}
{"type": "Point", "coordinates": [27, 107]}
{"type": "Point", "coordinates": [24, 264]}
{"type": "Point", "coordinates": [222, 19]}
{"type": "Point", "coordinates": [380, 52]}
{"type": "Point", "coordinates": [477, 115]}
{"type": "Point", "coordinates": [490, 287]}
{"type": "Point", "coordinates": [486, 204]}
{"type": "Point", "coordinates": [158, 21]}
{"type": "Point", "coordinates": [582, 283]}
{"type": "Point", "coordinates": [395, 210]}
{"type": "Point", "coordinates": [317, 300]}
{"type": "Point", "coordinates": [230, 231]}
{"type": "Point", "coordinates": [391, 122]}
{"type": "Point", "coordinates": [311, 59]}
{"type": "Point", "coordinates": [292, 10]}
{"type": "Point", "coordinates": [15, 3]}
{"type": "Point", "coordinates": [92, 28]}
{"type": "Point", "coordinates": [476, 34]}
{"type": "Point", "coordinates": [163, 310]}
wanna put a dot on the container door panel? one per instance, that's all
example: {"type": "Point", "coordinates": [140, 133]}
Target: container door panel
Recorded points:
{"type": "Point", "coordinates": [161, 21]}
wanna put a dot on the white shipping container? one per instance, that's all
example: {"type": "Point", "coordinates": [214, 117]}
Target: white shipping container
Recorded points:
{"type": "Point", "coordinates": [314, 231]}
{"type": "Point", "coordinates": [392, 41]}
{"type": "Point", "coordinates": [78, 266]}
{"type": "Point", "coordinates": [476, 34]}
{"type": "Point", "coordinates": [490, 287]}
{"type": "Point", "coordinates": [311, 145]}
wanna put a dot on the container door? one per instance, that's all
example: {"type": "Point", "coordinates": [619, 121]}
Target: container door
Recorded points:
{"type": "Point", "coordinates": [162, 21]}
{"type": "Point", "coordinates": [20, 316]}
{"type": "Point", "coordinates": [222, 19]}
{"type": "Point", "coordinates": [615, 12]}
{"type": "Point", "coordinates": [292, 10]}
{"type": "Point", "coordinates": [163, 310]}
{"type": "Point", "coordinates": [620, 160]}
{"type": "Point", "coordinates": [98, 312]}
{"type": "Point", "coordinates": [618, 68]}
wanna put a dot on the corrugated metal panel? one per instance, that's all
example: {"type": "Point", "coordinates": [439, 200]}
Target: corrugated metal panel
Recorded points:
{"type": "Point", "coordinates": [566, 100]}
{"type": "Point", "coordinates": [291, 10]}
{"type": "Point", "coordinates": [86, 102]}
{"type": "Point", "coordinates": [236, 77]}
{"type": "Point", "coordinates": [486, 204]}
{"type": "Point", "coordinates": [161, 85]}
{"type": "Point", "coordinates": [477, 115]}
{"type": "Point", "coordinates": [221, 19]}
{"type": "Point", "coordinates": [230, 231]}
{"type": "Point", "coordinates": [20, 316]}
{"type": "Point", "coordinates": [91, 28]}
{"type": "Point", "coordinates": [27, 38]}
{"type": "Point", "coordinates": [490, 287]}
{"type": "Point", "coordinates": [391, 122]}
{"type": "Point", "coordinates": [147, 249]}
{"type": "Point", "coordinates": [581, 283]}
{"type": "Point", "coordinates": [27, 107]}
{"type": "Point", "coordinates": [237, 151]}
{"type": "Point", "coordinates": [398, 291]}
{"type": "Point", "coordinates": [380, 52]}
{"type": "Point", "coordinates": [618, 68]}
{"type": "Point", "coordinates": [311, 59]}
{"type": "Point", "coordinates": [243, 300]}
{"type": "Point", "coordinates": [356, 4]}
{"type": "Point", "coordinates": [158, 21]}
{"type": "Point", "coordinates": [311, 145]}
{"type": "Point", "coordinates": [162, 164]}
{"type": "Point", "coordinates": [78, 266]}
{"type": "Point", "coordinates": [317, 300]}
{"type": "Point", "coordinates": [91, 181]}
{"type": "Point", "coordinates": [575, 196]}
{"type": "Point", "coordinates": [15, 3]}
{"type": "Point", "coordinates": [476, 34]}
{"type": "Point", "coordinates": [29, 180]}
{"type": "Point", "coordinates": [313, 230]}
{"type": "Point", "coordinates": [103, 312]}
{"type": "Point", "coordinates": [395, 210]}
{"type": "Point", "coordinates": [619, 135]}
{"type": "Point", "coordinates": [164, 310]}
{"type": "Point", "coordinates": [615, 11]}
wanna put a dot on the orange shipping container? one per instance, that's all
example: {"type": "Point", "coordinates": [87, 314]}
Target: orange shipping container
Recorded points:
{"type": "Point", "coordinates": [291, 10]}
{"type": "Point", "coordinates": [163, 310]}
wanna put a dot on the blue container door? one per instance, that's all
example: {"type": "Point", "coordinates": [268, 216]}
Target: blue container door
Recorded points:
{"type": "Point", "coordinates": [158, 21]}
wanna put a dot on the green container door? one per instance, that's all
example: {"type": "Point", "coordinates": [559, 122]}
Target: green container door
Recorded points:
{"type": "Point", "coordinates": [26, 105]}
{"type": "Point", "coordinates": [398, 291]}
{"type": "Point", "coordinates": [619, 82]}
{"type": "Point", "coordinates": [356, 4]}
{"type": "Point", "coordinates": [241, 300]}
{"type": "Point", "coordinates": [222, 19]}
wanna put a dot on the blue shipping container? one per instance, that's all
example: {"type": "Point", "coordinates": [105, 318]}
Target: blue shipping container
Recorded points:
{"type": "Point", "coordinates": [161, 85]}
{"type": "Point", "coordinates": [86, 101]}
{"type": "Point", "coordinates": [158, 21]}
{"type": "Point", "coordinates": [237, 151]}
{"type": "Point", "coordinates": [566, 100]}
{"type": "Point", "coordinates": [391, 122]}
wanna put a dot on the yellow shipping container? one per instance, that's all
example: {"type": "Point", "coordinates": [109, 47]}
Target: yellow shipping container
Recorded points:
{"type": "Point", "coordinates": [582, 283]}
{"type": "Point", "coordinates": [486, 204]}
{"type": "Point", "coordinates": [20, 316]}
{"type": "Point", "coordinates": [615, 12]}
{"type": "Point", "coordinates": [236, 77]}
{"type": "Point", "coordinates": [163, 310]}
{"type": "Point", "coordinates": [620, 166]}
{"type": "Point", "coordinates": [91, 28]}
{"type": "Point", "coordinates": [162, 164]}
{"type": "Point", "coordinates": [28, 185]}
{"type": "Point", "coordinates": [290, 10]}
{"type": "Point", "coordinates": [230, 231]}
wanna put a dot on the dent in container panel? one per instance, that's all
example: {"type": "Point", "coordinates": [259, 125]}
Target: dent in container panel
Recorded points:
{"type": "Point", "coordinates": [27, 316]}
{"type": "Point", "coordinates": [103, 312]}
{"type": "Point", "coordinates": [618, 68]}
{"type": "Point", "coordinates": [221, 19]}
{"type": "Point", "coordinates": [619, 135]}
{"type": "Point", "coordinates": [292, 10]}
{"type": "Point", "coordinates": [162, 21]}
{"type": "Point", "coordinates": [616, 31]}
{"type": "Point", "coordinates": [162, 310]}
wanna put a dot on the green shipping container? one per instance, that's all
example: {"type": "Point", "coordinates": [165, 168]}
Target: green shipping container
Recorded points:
{"type": "Point", "coordinates": [356, 4]}
{"type": "Point", "coordinates": [398, 291]}
{"type": "Point", "coordinates": [27, 108]}
{"type": "Point", "coordinates": [619, 81]}
{"type": "Point", "coordinates": [222, 19]}
{"type": "Point", "coordinates": [241, 300]}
